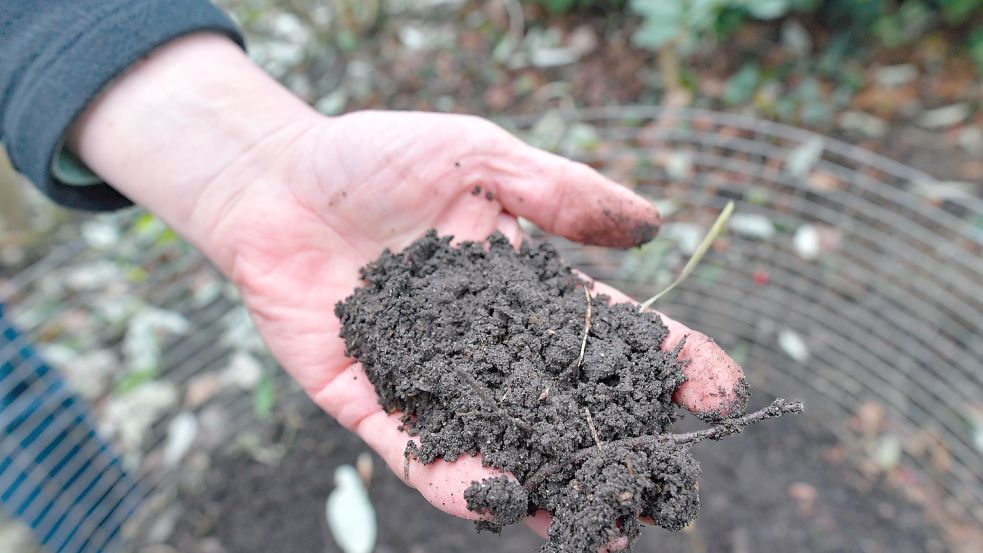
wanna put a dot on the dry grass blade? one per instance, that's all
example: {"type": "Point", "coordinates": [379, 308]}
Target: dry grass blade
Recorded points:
{"type": "Point", "coordinates": [701, 250]}
{"type": "Point", "coordinates": [593, 431]}
{"type": "Point", "coordinates": [587, 318]}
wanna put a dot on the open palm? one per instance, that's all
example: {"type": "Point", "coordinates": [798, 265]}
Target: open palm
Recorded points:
{"type": "Point", "coordinates": [335, 195]}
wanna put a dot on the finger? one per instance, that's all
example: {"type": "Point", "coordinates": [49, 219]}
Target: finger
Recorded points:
{"type": "Point", "coordinates": [715, 384]}
{"type": "Point", "coordinates": [540, 522]}
{"type": "Point", "coordinates": [441, 483]}
{"type": "Point", "coordinates": [509, 226]}
{"type": "Point", "coordinates": [572, 200]}
{"type": "Point", "coordinates": [351, 399]}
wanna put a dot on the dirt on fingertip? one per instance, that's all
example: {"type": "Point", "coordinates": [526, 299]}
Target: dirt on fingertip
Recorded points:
{"type": "Point", "coordinates": [481, 349]}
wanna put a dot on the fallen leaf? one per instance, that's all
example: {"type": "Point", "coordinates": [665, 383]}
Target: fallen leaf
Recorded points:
{"type": "Point", "coordinates": [244, 371]}
{"type": "Point", "coordinates": [804, 496]}
{"type": "Point", "coordinates": [364, 465]}
{"type": "Point", "coordinates": [350, 514]}
{"type": "Point", "coordinates": [892, 76]}
{"type": "Point", "coordinates": [943, 117]}
{"type": "Point", "coordinates": [181, 432]}
{"type": "Point", "coordinates": [793, 345]}
{"type": "Point", "coordinates": [800, 160]}
{"type": "Point", "coordinates": [806, 242]}
{"type": "Point", "coordinates": [752, 225]}
{"type": "Point", "coordinates": [888, 452]}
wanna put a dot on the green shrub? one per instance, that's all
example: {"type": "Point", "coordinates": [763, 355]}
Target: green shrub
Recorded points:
{"type": "Point", "coordinates": [568, 6]}
{"type": "Point", "coordinates": [892, 23]}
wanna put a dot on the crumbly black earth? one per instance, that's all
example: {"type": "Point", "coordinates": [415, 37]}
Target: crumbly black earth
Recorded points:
{"type": "Point", "coordinates": [504, 499]}
{"type": "Point", "coordinates": [478, 346]}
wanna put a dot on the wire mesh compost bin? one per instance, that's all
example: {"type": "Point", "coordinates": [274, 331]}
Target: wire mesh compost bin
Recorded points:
{"type": "Point", "coordinates": [845, 279]}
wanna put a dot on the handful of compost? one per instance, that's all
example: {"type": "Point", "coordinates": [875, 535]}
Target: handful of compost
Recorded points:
{"type": "Point", "coordinates": [486, 350]}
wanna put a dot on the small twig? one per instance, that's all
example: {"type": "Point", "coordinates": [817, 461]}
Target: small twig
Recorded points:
{"type": "Point", "coordinates": [587, 319]}
{"type": "Point", "coordinates": [407, 455]}
{"type": "Point", "coordinates": [726, 427]}
{"type": "Point", "coordinates": [593, 431]}
{"type": "Point", "coordinates": [489, 401]}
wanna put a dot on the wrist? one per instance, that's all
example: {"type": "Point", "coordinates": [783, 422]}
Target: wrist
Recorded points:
{"type": "Point", "coordinates": [182, 132]}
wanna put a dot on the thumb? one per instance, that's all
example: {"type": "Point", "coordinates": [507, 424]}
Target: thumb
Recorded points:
{"type": "Point", "coordinates": [570, 199]}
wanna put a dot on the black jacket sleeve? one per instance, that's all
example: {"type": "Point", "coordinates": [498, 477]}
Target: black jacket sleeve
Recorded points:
{"type": "Point", "coordinates": [56, 55]}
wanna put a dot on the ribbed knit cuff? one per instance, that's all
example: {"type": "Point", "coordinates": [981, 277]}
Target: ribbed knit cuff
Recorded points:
{"type": "Point", "coordinates": [73, 69]}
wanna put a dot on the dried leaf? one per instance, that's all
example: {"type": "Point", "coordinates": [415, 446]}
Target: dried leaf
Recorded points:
{"type": "Point", "coordinates": [893, 76]}
{"type": "Point", "coordinates": [806, 242]}
{"type": "Point", "coordinates": [793, 345]}
{"type": "Point", "coordinates": [943, 117]}
{"type": "Point", "coordinates": [888, 452]}
{"type": "Point", "coordinates": [350, 514]}
{"type": "Point", "coordinates": [364, 465]}
{"type": "Point", "coordinates": [244, 371]}
{"type": "Point", "coordinates": [181, 432]}
{"type": "Point", "coordinates": [801, 160]}
{"type": "Point", "coordinates": [752, 225]}
{"type": "Point", "coordinates": [264, 397]}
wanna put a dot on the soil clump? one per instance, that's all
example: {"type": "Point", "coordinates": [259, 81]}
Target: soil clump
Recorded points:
{"type": "Point", "coordinates": [485, 349]}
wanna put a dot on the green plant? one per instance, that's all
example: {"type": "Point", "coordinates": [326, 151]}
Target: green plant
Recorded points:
{"type": "Point", "coordinates": [976, 48]}
{"type": "Point", "coordinates": [896, 23]}
{"type": "Point", "coordinates": [676, 28]}
{"type": "Point", "coordinates": [567, 6]}
{"type": "Point", "coordinates": [681, 24]}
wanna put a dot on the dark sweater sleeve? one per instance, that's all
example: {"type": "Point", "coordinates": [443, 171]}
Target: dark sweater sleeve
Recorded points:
{"type": "Point", "coordinates": [55, 57]}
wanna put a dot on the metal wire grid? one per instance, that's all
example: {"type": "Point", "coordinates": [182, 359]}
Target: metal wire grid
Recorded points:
{"type": "Point", "coordinates": [893, 314]}
{"type": "Point", "coordinates": [183, 358]}
{"type": "Point", "coordinates": [48, 438]}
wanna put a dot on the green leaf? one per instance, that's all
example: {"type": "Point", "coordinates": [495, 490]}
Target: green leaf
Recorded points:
{"type": "Point", "coordinates": [767, 9]}
{"type": "Point", "coordinates": [959, 11]}
{"type": "Point", "coordinates": [728, 21]}
{"type": "Point", "coordinates": [701, 14]}
{"type": "Point", "coordinates": [655, 33]}
{"type": "Point", "coordinates": [134, 379]}
{"type": "Point", "coordinates": [739, 352]}
{"type": "Point", "coordinates": [264, 398]}
{"type": "Point", "coordinates": [701, 250]}
{"type": "Point", "coordinates": [661, 22]}
{"type": "Point", "coordinates": [136, 275]}
{"type": "Point", "coordinates": [890, 31]}
{"type": "Point", "coordinates": [167, 237]}
{"type": "Point", "coordinates": [658, 9]}
{"type": "Point", "coordinates": [742, 84]}
{"type": "Point", "coordinates": [976, 48]}
{"type": "Point", "coordinates": [559, 6]}
{"type": "Point", "coordinates": [346, 40]}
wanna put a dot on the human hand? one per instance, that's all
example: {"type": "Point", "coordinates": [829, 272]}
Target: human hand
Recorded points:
{"type": "Point", "coordinates": [290, 204]}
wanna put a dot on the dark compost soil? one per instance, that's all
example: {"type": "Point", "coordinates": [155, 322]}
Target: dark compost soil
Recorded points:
{"type": "Point", "coordinates": [775, 489]}
{"type": "Point", "coordinates": [501, 352]}
{"type": "Point", "coordinates": [752, 492]}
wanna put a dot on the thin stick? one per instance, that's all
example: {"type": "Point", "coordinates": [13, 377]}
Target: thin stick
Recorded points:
{"type": "Point", "coordinates": [489, 401]}
{"type": "Point", "coordinates": [593, 431]}
{"type": "Point", "coordinates": [698, 254]}
{"type": "Point", "coordinates": [727, 427]}
{"type": "Point", "coordinates": [587, 319]}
